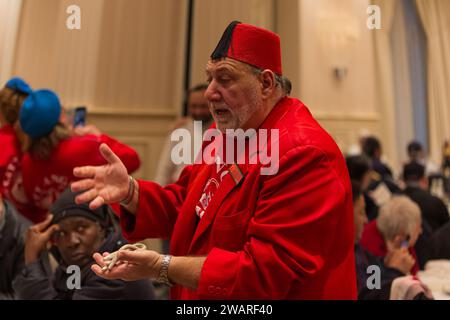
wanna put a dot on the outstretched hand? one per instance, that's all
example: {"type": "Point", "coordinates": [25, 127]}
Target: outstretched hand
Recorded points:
{"type": "Point", "coordinates": [104, 184]}
{"type": "Point", "coordinates": [131, 266]}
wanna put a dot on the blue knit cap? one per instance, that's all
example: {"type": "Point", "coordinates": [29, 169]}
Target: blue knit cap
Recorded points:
{"type": "Point", "coordinates": [40, 113]}
{"type": "Point", "coordinates": [18, 84]}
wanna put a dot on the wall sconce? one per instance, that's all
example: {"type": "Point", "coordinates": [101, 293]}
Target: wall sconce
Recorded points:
{"type": "Point", "coordinates": [340, 73]}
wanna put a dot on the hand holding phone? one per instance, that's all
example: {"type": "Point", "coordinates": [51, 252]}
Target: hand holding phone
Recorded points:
{"type": "Point", "coordinates": [405, 243]}
{"type": "Point", "coordinates": [79, 119]}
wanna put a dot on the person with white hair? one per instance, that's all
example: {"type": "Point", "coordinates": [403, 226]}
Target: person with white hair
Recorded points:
{"type": "Point", "coordinates": [396, 228]}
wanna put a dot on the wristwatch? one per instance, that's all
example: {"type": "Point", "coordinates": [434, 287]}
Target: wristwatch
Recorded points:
{"type": "Point", "coordinates": [163, 273]}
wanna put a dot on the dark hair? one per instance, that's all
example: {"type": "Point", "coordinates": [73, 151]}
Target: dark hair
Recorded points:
{"type": "Point", "coordinates": [414, 147]}
{"type": "Point", "coordinates": [10, 103]}
{"type": "Point", "coordinates": [42, 147]}
{"type": "Point", "coordinates": [413, 171]}
{"type": "Point", "coordinates": [357, 167]}
{"type": "Point", "coordinates": [370, 146]}
{"type": "Point", "coordinates": [287, 85]}
{"type": "Point", "coordinates": [356, 190]}
{"type": "Point", "coordinates": [197, 88]}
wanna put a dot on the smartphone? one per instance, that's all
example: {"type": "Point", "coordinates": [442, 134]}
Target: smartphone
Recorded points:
{"type": "Point", "coordinates": [405, 243]}
{"type": "Point", "coordinates": [79, 118]}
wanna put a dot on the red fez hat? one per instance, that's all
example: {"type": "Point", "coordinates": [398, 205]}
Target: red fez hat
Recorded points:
{"type": "Point", "coordinates": [252, 45]}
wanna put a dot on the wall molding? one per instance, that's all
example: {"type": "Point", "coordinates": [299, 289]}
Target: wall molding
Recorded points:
{"type": "Point", "coordinates": [150, 112]}
{"type": "Point", "coordinates": [346, 116]}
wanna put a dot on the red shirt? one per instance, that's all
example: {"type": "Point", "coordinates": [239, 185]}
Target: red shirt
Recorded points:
{"type": "Point", "coordinates": [44, 180]}
{"type": "Point", "coordinates": [11, 185]}
{"type": "Point", "coordinates": [283, 236]}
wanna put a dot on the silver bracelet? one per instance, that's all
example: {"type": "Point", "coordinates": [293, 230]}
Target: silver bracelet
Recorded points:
{"type": "Point", "coordinates": [129, 197]}
{"type": "Point", "coordinates": [164, 272]}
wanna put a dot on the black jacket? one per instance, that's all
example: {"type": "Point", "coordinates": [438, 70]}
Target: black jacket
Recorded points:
{"type": "Point", "coordinates": [433, 209]}
{"type": "Point", "coordinates": [440, 243]}
{"type": "Point", "coordinates": [37, 282]}
{"type": "Point", "coordinates": [11, 249]}
{"type": "Point", "coordinates": [363, 260]}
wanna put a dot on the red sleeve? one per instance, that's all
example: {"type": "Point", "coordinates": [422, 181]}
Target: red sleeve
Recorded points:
{"type": "Point", "coordinates": [128, 155]}
{"type": "Point", "coordinates": [304, 200]}
{"type": "Point", "coordinates": [9, 149]}
{"type": "Point", "coordinates": [157, 209]}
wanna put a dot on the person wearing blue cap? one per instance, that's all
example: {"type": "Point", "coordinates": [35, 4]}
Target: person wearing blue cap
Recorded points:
{"type": "Point", "coordinates": [55, 149]}
{"type": "Point", "coordinates": [13, 142]}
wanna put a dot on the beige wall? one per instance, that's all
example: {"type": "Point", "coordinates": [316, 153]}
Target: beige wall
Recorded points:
{"type": "Point", "coordinates": [211, 17]}
{"type": "Point", "coordinates": [318, 36]}
{"type": "Point", "coordinates": [125, 64]}
{"type": "Point", "coordinates": [127, 61]}
{"type": "Point", "coordinates": [9, 24]}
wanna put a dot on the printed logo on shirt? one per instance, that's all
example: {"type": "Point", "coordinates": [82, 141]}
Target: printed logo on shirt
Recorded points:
{"type": "Point", "coordinates": [44, 196]}
{"type": "Point", "coordinates": [12, 183]}
{"type": "Point", "coordinates": [210, 189]}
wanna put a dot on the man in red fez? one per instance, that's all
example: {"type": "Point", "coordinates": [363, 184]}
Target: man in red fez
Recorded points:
{"type": "Point", "coordinates": [237, 231]}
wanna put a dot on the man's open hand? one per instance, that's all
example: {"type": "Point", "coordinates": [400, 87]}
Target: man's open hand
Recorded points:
{"type": "Point", "coordinates": [102, 184]}
{"type": "Point", "coordinates": [132, 265]}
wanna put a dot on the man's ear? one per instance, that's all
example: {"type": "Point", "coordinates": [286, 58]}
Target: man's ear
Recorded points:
{"type": "Point", "coordinates": [268, 83]}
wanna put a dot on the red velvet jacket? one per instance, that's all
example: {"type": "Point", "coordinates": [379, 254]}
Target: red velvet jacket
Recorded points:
{"type": "Point", "coordinates": [44, 180]}
{"type": "Point", "coordinates": [282, 236]}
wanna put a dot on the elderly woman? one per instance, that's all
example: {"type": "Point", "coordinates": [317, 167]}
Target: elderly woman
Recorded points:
{"type": "Point", "coordinates": [397, 227]}
{"type": "Point", "coordinates": [54, 151]}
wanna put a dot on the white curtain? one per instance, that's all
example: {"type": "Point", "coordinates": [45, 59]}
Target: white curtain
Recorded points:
{"type": "Point", "coordinates": [435, 16]}
{"type": "Point", "coordinates": [385, 80]}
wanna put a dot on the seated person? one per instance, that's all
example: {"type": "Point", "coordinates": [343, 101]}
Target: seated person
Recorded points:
{"type": "Point", "coordinates": [391, 269]}
{"type": "Point", "coordinates": [12, 229]}
{"type": "Point", "coordinates": [372, 149]}
{"type": "Point", "coordinates": [417, 154]}
{"type": "Point", "coordinates": [76, 232]}
{"type": "Point", "coordinates": [397, 227]}
{"type": "Point", "coordinates": [439, 244]}
{"type": "Point", "coordinates": [433, 209]}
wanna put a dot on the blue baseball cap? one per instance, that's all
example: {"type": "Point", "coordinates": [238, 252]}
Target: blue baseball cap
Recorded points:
{"type": "Point", "coordinates": [18, 84]}
{"type": "Point", "coordinates": [40, 113]}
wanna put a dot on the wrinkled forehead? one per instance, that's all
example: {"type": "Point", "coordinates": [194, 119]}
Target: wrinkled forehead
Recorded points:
{"type": "Point", "coordinates": [226, 64]}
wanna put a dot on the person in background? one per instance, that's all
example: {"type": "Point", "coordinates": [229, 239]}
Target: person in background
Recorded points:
{"type": "Point", "coordinates": [446, 166]}
{"type": "Point", "coordinates": [12, 228]}
{"type": "Point", "coordinates": [416, 154]}
{"type": "Point", "coordinates": [397, 227]}
{"type": "Point", "coordinates": [53, 152]}
{"type": "Point", "coordinates": [434, 211]}
{"type": "Point", "coordinates": [76, 232]}
{"type": "Point", "coordinates": [168, 172]}
{"type": "Point", "coordinates": [397, 266]}
{"type": "Point", "coordinates": [13, 142]}
{"type": "Point", "coordinates": [372, 149]}
{"type": "Point", "coordinates": [381, 178]}
{"type": "Point", "coordinates": [359, 169]}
